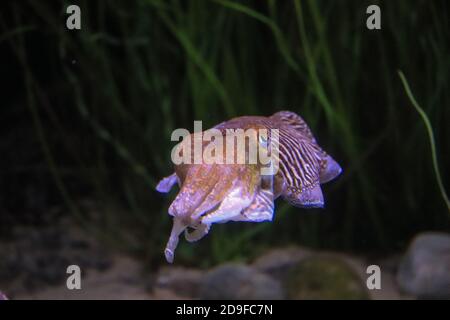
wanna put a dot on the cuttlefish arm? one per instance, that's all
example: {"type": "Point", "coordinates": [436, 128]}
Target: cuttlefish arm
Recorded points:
{"type": "Point", "coordinates": [228, 206]}
{"type": "Point", "coordinates": [177, 228]}
{"type": "Point", "coordinates": [167, 183]}
{"type": "Point", "coordinates": [199, 232]}
{"type": "Point", "coordinates": [218, 200]}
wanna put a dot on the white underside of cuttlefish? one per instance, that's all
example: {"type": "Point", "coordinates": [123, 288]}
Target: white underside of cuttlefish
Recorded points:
{"type": "Point", "coordinates": [218, 193]}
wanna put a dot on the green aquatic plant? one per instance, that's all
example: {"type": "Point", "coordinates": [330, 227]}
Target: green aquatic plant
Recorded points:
{"type": "Point", "coordinates": [429, 128]}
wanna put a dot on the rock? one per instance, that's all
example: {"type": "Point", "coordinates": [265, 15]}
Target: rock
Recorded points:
{"type": "Point", "coordinates": [389, 288]}
{"type": "Point", "coordinates": [38, 257]}
{"type": "Point", "coordinates": [425, 269]}
{"type": "Point", "coordinates": [324, 277]}
{"type": "Point", "coordinates": [181, 281]}
{"type": "Point", "coordinates": [278, 262]}
{"type": "Point", "coordinates": [122, 281]}
{"type": "Point", "coordinates": [237, 281]}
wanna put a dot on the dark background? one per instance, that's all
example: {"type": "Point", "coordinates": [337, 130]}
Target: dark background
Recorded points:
{"type": "Point", "coordinates": [86, 115]}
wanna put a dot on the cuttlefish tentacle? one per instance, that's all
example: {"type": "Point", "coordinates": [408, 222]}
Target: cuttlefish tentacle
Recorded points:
{"type": "Point", "coordinates": [200, 231]}
{"type": "Point", "coordinates": [177, 228]}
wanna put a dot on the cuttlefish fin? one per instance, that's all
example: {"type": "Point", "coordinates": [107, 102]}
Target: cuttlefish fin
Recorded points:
{"type": "Point", "coordinates": [296, 122]}
{"type": "Point", "coordinates": [310, 197]}
{"type": "Point", "coordinates": [177, 228]}
{"type": "Point", "coordinates": [300, 167]}
{"type": "Point", "coordinates": [329, 170]}
{"type": "Point", "coordinates": [167, 183]}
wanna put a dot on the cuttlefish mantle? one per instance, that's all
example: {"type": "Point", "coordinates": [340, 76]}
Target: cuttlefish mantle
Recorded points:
{"type": "Point", "coordinates": [218, 193]}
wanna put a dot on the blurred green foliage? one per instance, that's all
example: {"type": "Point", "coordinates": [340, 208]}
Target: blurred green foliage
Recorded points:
{"type": "Point", "coordinates": [105, 99]}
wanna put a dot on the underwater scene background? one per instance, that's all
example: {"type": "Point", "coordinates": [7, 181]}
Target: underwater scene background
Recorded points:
{"type": "Point", "coordinates": [86, 118]}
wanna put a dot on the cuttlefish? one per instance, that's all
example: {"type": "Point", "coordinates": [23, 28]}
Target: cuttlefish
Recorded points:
{"type": "Point", "coordinates": [221, 192]}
